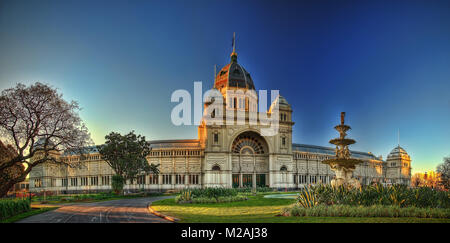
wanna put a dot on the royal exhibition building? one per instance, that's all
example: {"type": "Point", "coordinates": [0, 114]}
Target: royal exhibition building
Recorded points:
{"type": "Point", "coordinates": [225, 155]}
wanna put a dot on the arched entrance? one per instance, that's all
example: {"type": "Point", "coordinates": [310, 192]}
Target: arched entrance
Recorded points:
{"type": "Point", "coordinates": [250, 160]}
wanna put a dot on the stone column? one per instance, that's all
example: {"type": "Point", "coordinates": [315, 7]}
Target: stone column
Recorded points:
{"type": "Point", "coordinates": [240, 179]}
{"type": "Point", "coordinates": [254, 173]}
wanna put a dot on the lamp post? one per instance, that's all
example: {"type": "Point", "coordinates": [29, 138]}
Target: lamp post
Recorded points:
{"type": "Point", "coordinates": [67, 179]}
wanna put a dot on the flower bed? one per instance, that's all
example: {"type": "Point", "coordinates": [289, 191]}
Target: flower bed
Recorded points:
{"type": "Point", "coordinates": [365, 211]}
{"type": "Point", "coordinates": [209, 195]}
{"type": "Point", "coordinates": [399, 195]}
{"type": "Point", "coordinates": [237, 198]}
{"type": "Point", "coordinates": [370, 201]}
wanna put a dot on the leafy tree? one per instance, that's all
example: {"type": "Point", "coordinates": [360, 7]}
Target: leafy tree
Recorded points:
{"type": "Point", "coordinates": [126, 154]}
{"type": "Point", "coordinates": [444, 171]}
{"type": "Point", "coordinates": [36, 121]}
{"type": "Point", "coordinates": [117, 183]}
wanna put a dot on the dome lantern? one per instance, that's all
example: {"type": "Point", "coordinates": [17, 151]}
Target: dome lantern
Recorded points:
{"type": "Point", "coordinates": [398, 152]}
{"type": "Point", "coordinates": [233, 57]}
{"type": "Point", "coordinates": [233, 75]}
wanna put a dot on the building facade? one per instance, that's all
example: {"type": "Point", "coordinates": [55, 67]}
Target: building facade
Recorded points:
{"type": "Point", "coordinates": [226, 154]}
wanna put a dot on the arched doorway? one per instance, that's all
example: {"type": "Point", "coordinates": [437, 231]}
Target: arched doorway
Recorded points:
{"type": "Point", "coordinates": [250, 160]}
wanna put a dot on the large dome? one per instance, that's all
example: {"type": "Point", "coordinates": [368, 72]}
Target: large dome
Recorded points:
{"type": "Point", "coordinates": [233, 75]}
{"type": "Point", "coordinates": [281, 102]}
{"type": "Point", "coordinates": [398, 152]}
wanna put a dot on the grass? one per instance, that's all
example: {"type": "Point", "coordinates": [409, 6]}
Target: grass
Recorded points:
{"type": "Point", "coordinates": [391, 211]}
{"type": "Point", "coordinates": [260, 210]}
{"type": "Point", "coordinates": [33, 211]}
{"type": "Point", "coordinates": [87, 198]}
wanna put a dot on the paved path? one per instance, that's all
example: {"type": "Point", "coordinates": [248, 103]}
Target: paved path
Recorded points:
{"type": "Point", "coordinates": [114, 211]}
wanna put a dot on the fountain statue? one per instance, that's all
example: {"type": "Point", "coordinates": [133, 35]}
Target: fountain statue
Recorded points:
{"type": "Point", "coordinates": [342, 164]}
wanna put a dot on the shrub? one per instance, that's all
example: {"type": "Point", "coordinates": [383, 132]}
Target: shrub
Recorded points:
{"type": "Point", "coordinates": [251, 189]}
{"type": "Point", "coordinates": [307, 198]}
{"type": "Point", "coordinates": [184, 197]}
{"type": "Point", "coordinates": [232, 199]}
{"type": "Point", "coordinates": [117, 183]}
{"type": "Point", "coordinates": [218, 200]}
{"type": "Point", "coordinates": [399, 195]}
{"type": "Point", "coordinates": [209, 195]}
{"type": "Point", "coordinates": [9, 208]}
{"type": "Point", "coordinates": [211, 192]}
{"type": "Point", "coordinates": [363, 211]}
{"type": "Point", "coordinates": [204, 200]}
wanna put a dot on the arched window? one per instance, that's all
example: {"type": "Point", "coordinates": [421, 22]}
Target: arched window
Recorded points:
{"type": "Point", "coordinates": [216, 168]}
{"type": "Point", "coordinates": [283, 168]}
{"type": "Point", "coordinates": [248, 140]}
{"type": "Point", "coordinates": [247, 150]}
{"type": "Point", "coordinates": [216, 138]}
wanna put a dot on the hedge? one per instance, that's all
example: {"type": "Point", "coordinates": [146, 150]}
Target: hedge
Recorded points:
{"type": "Point", "coordinates": [9, 208]}
{"type": "Point", "coordinates": [181, 200]}
{"type": "Point", "coordinates": [398, 195]}
{"type": "Point", "coordinates": [365, 211]}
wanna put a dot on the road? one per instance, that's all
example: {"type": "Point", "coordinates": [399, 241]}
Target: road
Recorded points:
{"type": "Point", "coordinates": [114, 211]}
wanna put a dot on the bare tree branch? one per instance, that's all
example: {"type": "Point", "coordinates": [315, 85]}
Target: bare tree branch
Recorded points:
{"type": "Point", "coordinates": [37, 120]}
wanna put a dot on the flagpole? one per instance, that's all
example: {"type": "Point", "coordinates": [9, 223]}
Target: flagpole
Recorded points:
{"type": "Point", "coordinates": [234, 42]}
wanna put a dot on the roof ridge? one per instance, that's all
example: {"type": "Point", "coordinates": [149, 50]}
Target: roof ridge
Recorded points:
{"type": "Point", "coordinates": [174, 141]}
{"type": "Point", "coordinates": [329, 148]}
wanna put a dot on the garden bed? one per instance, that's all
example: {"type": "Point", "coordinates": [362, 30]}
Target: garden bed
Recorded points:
{"type": "Point", "coordinates": [370, 201]}
{"type": "Point", "coordinates": [366, 211]}
{"type": "Point", "coordinates": [258, 209]}
{"type": "Point", "coordinates": [322, 203]}
{"type": "Point", "coordinates": [237, 198]}
{"type": "Point", "coordinates": [217, 195]}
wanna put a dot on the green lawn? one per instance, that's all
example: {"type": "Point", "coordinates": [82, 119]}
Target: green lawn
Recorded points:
{"type": "Point", "coordinates": [260, 210]}
{"type": "Point", "coordinates": [32, 212]}
{"type": "Point", "coordinates": [86, 198]}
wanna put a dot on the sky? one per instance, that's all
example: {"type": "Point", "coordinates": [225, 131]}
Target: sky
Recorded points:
{"type": "Point", "coordinates": [385, 63]}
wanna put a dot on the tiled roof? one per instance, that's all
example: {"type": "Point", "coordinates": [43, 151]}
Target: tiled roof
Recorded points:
{"type": "Point", "coordinates": [329, 151]}
{"type": "Point", "coordinates": [195, 144]}
{"type": "Point", "coordinates": [398, 151]}
{"type": "Point", "coordinates": [181, 143]}
{"type": "Point", "coordinates": [155, 144]}
{"type": "Point", "coordinates": [233, 75]}
{"type": "Point", "coordinates": [87, 150]}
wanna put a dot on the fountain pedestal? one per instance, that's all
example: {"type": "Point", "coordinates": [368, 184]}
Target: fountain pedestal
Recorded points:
{"type": "Point", "coordinates": [342, 164]}
{"type": "Point", "coordinates": [344, 177]}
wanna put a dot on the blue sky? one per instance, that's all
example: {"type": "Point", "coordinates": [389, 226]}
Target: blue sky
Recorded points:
{"type": "Point", "coordinates": [386, 63]}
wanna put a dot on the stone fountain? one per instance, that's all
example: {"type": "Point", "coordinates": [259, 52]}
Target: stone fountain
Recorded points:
{"type": "Point", "coordinates": [342, 164]}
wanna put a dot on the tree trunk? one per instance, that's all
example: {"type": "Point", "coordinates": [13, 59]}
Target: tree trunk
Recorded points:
{"type": "Point", "coordinates": [4, 188]}
{"type": "Point", "coordinates": [6, 185]}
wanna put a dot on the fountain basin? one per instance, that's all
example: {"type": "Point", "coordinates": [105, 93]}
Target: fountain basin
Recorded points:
{"type": "Point", "coordinates": [346, 163]}
{"type": "Point", "coordinates": [342, 141]}
{"type": "Point", "coordinates": [342, 127]}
